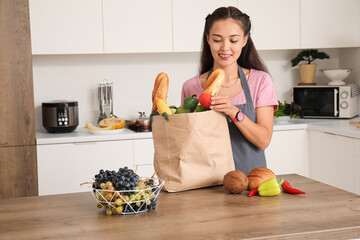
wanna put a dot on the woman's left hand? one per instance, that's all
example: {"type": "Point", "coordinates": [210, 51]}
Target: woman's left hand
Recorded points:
{"type": "Point", "coordinates": [223, 104]}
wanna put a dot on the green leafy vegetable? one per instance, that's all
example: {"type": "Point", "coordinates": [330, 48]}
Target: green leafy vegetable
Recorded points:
{"type": "Point", "coordinates": [285, 109]}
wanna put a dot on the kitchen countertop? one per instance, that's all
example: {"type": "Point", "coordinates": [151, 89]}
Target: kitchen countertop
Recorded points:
{"type": "Point", "coordinates": [324, 212]}
{"type": "Point", "coordinates": [83, 135]}
{"type": "Point", "coordinates": [335, 126]}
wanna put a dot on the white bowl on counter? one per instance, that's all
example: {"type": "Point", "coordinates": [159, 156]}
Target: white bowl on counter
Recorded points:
{"type": "Point", "coordinates": [336, 76]}
{"type": "Point", "coordinates": [282, 119]}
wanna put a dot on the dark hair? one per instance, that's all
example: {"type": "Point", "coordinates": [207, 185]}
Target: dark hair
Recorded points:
{"type": "Point", "coordinates": [249, 57]}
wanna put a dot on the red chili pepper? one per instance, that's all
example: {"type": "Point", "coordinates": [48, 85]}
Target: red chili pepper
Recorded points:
{"type": "Point", "coordinates": [253, 192]}
{"type": "Point", "coordinates": [288, 189]}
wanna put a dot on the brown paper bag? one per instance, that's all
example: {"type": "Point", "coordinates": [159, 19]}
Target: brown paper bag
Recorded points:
{"type": "Point", "coordinates": [192, 150]}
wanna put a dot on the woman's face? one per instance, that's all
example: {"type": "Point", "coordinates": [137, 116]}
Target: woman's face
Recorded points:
{"type": "Point", "coordinates": [226, 40]}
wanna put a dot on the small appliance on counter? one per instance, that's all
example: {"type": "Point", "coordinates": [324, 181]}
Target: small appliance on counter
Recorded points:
{"type": "Point", "coordinates": [327, 101]}
{"type": "Point", "coordinates": [140, 124]}
{"type": "Point", "coordinates": [60, 116]}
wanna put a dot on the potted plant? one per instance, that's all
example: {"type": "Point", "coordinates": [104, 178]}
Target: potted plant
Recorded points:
{"type": "Point", "coordinates": [286, 111]}
{"type": "Point", "coordinates": [307, 71]}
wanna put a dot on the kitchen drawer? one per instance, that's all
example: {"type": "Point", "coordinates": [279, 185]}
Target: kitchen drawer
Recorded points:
{"type": "Point", "coordinates": [332, 160]}
{"type": "Point", "coordinates": [288, 152]}
{"type": "Point", "coordinates": [62, 167]}
{"type": "Point", "coordinates": [143, 151]}
{"type": "Point", "coordinates": [146, 170]}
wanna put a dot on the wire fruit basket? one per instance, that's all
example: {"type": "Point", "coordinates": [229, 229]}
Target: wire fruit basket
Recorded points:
{"type": "Point", "coordinates": [128, 201]}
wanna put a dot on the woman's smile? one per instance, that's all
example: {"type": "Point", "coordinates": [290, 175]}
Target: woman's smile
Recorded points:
{"type": "Point", "coordinates": [225, 56]}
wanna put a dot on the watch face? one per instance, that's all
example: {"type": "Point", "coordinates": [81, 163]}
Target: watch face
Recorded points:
{"type": "Point", "coordinates": [240, 116]}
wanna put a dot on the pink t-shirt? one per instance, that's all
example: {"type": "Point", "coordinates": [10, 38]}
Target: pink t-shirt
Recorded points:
{"type": "Point", "coordinates": [260, 84]}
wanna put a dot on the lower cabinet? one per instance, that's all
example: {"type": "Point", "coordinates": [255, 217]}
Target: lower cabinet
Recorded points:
{"type": "Point", "coordinates": [18, 176]}
{"type": "Point", "coordinates": [357, 165]}
{"type": "Point", "coordinates": [144, 157]}
{"type": "Point", "coordinates": [332, 160]}
{"type": "Point", "coordinates": [288, 152]}
{"type": "Point", "coordinates": [329, 158]}
{"type": "Point", "coordinates": [63, 167]}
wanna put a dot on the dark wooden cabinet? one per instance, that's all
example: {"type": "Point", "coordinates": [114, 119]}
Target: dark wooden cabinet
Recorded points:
{"type": "Point", "coordinates": [18, 172]}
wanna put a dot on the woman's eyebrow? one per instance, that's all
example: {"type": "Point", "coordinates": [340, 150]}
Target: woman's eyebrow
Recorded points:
{"type": "Point", "coordinates": [218, 35]}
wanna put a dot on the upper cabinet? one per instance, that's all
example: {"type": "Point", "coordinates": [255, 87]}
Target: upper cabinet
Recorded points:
{"type": "Point", "coordinates": [137, 26]}
{"type": "Point", "coordinates": [330, 23]}
{"type": "Point", "coordinates": [66, 26]}
{"type": "Point", "coordinates": [189, 20]}
{"type": "Point", "coordinates": [275, 23]}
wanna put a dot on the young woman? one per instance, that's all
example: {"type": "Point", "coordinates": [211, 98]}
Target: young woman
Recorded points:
{"type": "Point", "coordinates": [247, 95]}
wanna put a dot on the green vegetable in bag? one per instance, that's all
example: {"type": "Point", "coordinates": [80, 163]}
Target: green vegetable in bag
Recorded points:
{"type": "Point", "coordinates": [191, 103]}
{"type": "Point", "coordinates": [200, 108]}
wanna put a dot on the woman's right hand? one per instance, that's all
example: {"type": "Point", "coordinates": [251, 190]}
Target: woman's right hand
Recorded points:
{"type": "Point", "coordinates": [223, 104]}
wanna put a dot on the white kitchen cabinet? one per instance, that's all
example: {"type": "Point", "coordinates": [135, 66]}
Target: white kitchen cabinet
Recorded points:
{"type": "Point", "coordinates": [144, 157]}
{"type": "Point", "coordinates": [330, 23]}
{"type": "Point", "coordinates": [66, 26]}
{"type": "Point", "coordinates": [288, 152]}
{"type": "Point", "coordinates": [275, 23]}
{"type": "Point", "coordinates": [143, 151]}
{"type": "Point", "coordinates": [189, 19]}
{"type": "Point", "coordinates": [146, 170]}
{"type": "Point", "coordinates": [357, 165]}
{"type": "Point", "coordinates": [331, 159]}
{"type": "Point", "coordinates": [137, 26]}
{"type": "Point", "coordinates": [62, 167]}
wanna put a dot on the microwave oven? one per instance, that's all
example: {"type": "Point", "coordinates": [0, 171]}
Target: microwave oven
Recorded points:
{"type": "Point", "coordinates": [327, 101]}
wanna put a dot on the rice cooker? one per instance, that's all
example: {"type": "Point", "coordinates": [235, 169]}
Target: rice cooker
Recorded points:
{"type": "Point", "coordinates": [60, 116]}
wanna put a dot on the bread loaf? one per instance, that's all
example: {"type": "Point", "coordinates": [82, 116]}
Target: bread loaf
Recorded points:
{"type": "Point", "coordinates": [259, 175]}
{"type": "Point", "coordinates": [160, 90]}
{"type": "Point", "coordinates": [235, 181]}
{"type": "Point", "coordinates": [213, 84]}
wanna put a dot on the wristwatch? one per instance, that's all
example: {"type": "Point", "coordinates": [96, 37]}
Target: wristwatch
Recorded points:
{"type": "Point", "coordinates": [239, 117]}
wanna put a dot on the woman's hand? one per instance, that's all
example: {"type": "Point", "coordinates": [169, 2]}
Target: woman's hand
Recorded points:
{"type": "Point", "coordinates": [223, 104]}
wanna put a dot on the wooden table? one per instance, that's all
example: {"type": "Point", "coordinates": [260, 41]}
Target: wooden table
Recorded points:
{"type": "Point", "coordinates": [324, 212]}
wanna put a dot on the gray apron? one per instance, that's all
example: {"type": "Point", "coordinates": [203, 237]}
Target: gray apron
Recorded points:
{"type": "Point", "coordinates": [246, 155]}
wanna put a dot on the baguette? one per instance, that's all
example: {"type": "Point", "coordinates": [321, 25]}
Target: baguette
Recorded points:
{"type": "Point", "coordinates": [213, 84]}
{"type": "Point", "coordinates": [160, 90]}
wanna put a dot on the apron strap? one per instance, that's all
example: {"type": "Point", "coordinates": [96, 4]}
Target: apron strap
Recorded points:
{"type": "Point", "coordinates": [245, 86]}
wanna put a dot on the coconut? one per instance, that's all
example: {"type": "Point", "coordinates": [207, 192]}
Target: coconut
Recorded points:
{"type": "Point", "coordinates": [235, 181]}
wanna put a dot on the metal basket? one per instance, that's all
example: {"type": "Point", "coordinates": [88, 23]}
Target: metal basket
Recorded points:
{"type": "Point", "coordinates": [132, 201]}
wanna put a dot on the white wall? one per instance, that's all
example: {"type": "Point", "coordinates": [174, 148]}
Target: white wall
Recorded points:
{"type": "Point", "coordinates": [350, 58]}
{"type": "Point", "coordinates": [285, 77]}
{"type": "Point", "coordinates": [75, 77]}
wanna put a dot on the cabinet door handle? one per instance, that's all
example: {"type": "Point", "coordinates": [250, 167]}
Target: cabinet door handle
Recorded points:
{"type": "Point", "coordinates": [84, 143]}
{"type": "Point", "coordinates": [336, 112]}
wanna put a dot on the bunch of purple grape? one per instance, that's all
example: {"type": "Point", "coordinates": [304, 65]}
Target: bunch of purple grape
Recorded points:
{"type": "Point", "coordinates": [124, 179]}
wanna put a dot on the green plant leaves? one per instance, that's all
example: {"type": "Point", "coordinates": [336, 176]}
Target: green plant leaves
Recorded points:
{"type": "Point", "coordinates": [308, 55]}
